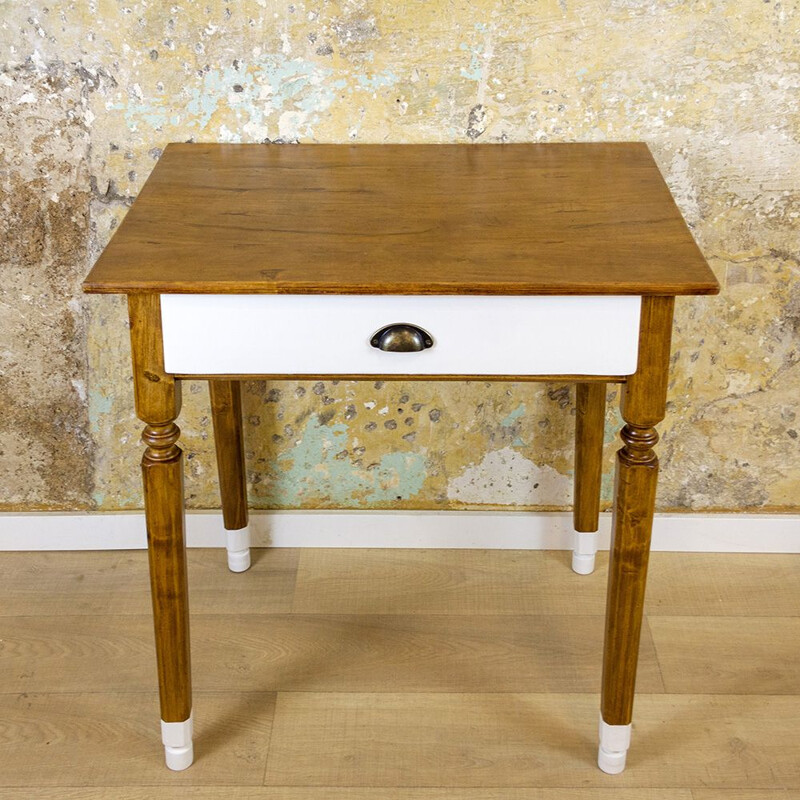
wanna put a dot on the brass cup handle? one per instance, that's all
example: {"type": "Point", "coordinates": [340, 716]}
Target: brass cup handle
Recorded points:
{"type": "Point", "coordinates": [401, 338]}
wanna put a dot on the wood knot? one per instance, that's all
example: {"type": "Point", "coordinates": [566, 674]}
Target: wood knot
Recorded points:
{"type": "Point", "coordinates": [639, 444]}
{"type": "Point", "coordinates": [161, 441]}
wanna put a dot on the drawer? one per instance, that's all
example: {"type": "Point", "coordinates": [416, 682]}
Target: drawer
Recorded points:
{"type": "Point", "coordinates": [331, 334]}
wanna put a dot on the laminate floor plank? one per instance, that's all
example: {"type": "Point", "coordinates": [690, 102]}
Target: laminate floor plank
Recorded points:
{"type": "Point", "coordinates": [744, 794]}
{"type": "Point", "coordinates": [399, 581]}
{"type": "Point", "coordinates": [724, 584]}
{"type": "Point", "coordinates": [103, 739]}
{"type": "Point", "coordinates": [117, 582]}
{"type": "Point", "coordinates": [304, 652]}
{"type": "Point", "coordinates": [346, 793]}
{"type": "Point", "coordinates": [469, 582]}
{"type": "Point", "coordinates": [380, 581]}
{"type": "Point", "coordinates": [728, 655]}
{"type": "Point", "coordinates": [398, 675]}
{"type": "Point", "coordinates": [414, 653]}
{"type": "Point", "coordinates": [471, 740]}
{"type": "Point", "coordinates": [104, 582]}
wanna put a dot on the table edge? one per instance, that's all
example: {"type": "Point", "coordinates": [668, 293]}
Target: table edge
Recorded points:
{"type": "Point", "coordinates": [493, 289]}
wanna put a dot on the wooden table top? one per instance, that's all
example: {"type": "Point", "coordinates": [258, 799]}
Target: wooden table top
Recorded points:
{"type": "Point", "coordinates": [404, 219]}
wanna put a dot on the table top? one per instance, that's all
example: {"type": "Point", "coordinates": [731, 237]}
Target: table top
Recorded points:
{"type": "Point", "coordinates": [509, 219]}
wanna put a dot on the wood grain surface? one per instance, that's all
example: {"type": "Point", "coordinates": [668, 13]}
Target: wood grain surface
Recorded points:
{"type": "Point", "coordinates": [116, 583]}
{"type": "Point", "coordinates": [590, 417]}
{"type": "Point", "coordinates": [369, 793]}
{"type": "Point", "coordinates": [404, 219]}
{"type": "Point", "coordinates": [384, 581]}
{"type": "Point", "coordinates": [709, 655]}
{"type": "Point", "coordinates": [474, 582]}
{"type": "Point", "coordinates": [523, 739]}
{"type": "Point", "coordinates": [642, 405]}
{"type": "Point", "coordinates": [226, 415]}
{"type": "Point", "coordinates": [158, 403]}
{"type": "Point", "coordinates": [156, 394]}
{"type": "Point", "coordinates": [98, 739]}
{"type": "Point", "coordinates": [322, 652]}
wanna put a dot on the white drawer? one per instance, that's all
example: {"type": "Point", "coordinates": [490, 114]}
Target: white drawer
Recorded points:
{"type": "Point", "coordinates": [330, 334]}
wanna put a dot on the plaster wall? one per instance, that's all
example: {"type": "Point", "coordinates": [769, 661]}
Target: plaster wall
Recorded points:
{"type": "Point", "coordinates": [90, 92]}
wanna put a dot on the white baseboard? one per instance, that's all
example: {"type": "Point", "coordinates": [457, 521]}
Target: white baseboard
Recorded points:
{"type": "Point", "coordinates": [504, 530]}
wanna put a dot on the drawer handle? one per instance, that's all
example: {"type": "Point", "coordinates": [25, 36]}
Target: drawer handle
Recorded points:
{"type": "Point", "coordinates": [401, 338]}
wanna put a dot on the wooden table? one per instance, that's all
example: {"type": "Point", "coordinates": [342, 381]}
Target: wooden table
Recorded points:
{"type": "Point", "coordinates": [504, 262]}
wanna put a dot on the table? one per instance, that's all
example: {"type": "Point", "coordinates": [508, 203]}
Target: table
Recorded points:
{"type": "Point", "coordinates": [504, 262]}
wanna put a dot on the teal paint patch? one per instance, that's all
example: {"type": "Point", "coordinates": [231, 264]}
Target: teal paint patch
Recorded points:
{"type": "Point", "coordinates": [511, 418]}
{"type": "Point", "coordinates": [611, 430]}
{"type": "Point", "coordinates": [378, 80]}
{"type": "Point", "coordinates": [253, 92]}
{"type": "Point", "coordinates": [607, 487]}
{"type": "Point", "coordinates": [317, 470]}
{"type": "Point", "coordinates": [99, 405]}
{"type": "Point", "coordinates": [151, 115]}
{"type": "Point", "coordinates": [400, 476]}
{"type": "Point", "coordinates": [612, 427]}
{"type": "Point", "coordinates": [474, 72]}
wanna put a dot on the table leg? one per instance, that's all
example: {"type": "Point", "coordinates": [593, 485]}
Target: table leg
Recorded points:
{"type": "Point", "coordinates": [590, 417]}
{"type": "Point", "coordinates": [643, 407]}
{"type": "Point", "coordinates": [158, 404]}
{"type": "Point", "coordinates": [226, 410]}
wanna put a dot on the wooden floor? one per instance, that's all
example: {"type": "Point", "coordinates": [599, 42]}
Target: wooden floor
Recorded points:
{"type": "Point", "coordinates": [399, 675]}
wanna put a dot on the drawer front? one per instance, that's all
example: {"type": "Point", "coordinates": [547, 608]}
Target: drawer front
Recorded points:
{"type": "Point", "coordinates": [330, 334]}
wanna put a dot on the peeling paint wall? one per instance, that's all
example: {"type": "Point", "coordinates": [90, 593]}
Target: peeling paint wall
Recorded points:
{"type": "Point", "coordinates": [45, 450]}
{"type": "Point", "coordinates": [90, 92]}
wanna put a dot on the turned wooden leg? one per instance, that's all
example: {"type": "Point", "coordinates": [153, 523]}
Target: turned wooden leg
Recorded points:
{"type": "Point", "coordinates": [226, 410]}
{"type": "Point", "coordinates": [643, 406]}
{"type": "Point", "coordinates": [158, 405]}
{"type": "Point", "coordinates": [590, 408]}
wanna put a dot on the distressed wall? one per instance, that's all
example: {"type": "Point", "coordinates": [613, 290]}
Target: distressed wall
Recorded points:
{"type": "Point", "coordinates": [92, 91]}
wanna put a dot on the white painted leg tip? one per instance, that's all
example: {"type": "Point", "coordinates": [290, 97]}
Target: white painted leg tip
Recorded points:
{"type": "Point", "coordinates": [238, 545]}
{"type": "Point", "coordinates": [179, 758]}
{"type": "Point", "coordinates": [239, 561]}
{"type": "Point", "coordinates": [177, 740]}
{"type": "Point", "coordinates": [583, 564]}
{"type": "Point", "coordinates": [614, 743]}
{"type": "Point", "coordinates": [612, 763]}
{"type": "Point", "coordinates": [583, 551]}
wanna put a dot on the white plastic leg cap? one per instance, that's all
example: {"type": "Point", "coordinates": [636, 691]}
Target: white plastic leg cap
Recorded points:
{"type": "Point", "coordinates": [614, 743]}
{"type": "Point", "coordinates": [612, 763]}
{"type": "Point", "coordinates": [237, 544]}
{"type": "Point", "coordinates": [178, 747]}
{"type": "Point", "coordinates": [179, 758]}
{"type": "Point", "coordinates": [583, 553]}
{"type": "Point", "coordinates": [582, 564]}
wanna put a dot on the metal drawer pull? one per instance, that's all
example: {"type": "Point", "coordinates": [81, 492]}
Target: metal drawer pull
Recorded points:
{"type": "Point", "coordinates": [401, 338]}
